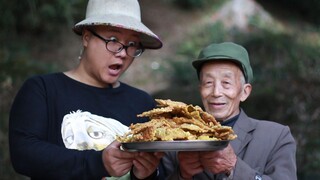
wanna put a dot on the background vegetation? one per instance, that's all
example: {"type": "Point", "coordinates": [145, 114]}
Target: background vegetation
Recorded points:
{"type": "Point", "coordinates": [285, 61]}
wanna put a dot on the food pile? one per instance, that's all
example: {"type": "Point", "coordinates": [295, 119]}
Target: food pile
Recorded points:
{"type": "Point", "coordinates": [173, 120]}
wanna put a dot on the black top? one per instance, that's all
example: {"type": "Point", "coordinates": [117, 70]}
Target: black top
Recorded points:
{"type": "Point", "coordinates": [36, 145]}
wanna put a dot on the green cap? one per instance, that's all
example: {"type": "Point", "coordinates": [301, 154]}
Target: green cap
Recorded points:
{"type": "Point", "coordinates": [225, 51]}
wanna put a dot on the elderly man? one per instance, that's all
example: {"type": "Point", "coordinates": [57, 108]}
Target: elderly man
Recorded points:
{"type": "Point", "coordinates": [262, 150]}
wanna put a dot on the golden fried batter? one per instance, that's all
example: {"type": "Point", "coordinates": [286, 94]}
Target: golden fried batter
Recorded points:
{"type": "Point", "coordinates": [173, 120]}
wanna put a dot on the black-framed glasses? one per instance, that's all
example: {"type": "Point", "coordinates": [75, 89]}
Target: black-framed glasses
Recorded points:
{"type": "Point", "coordinates": [115, 46]}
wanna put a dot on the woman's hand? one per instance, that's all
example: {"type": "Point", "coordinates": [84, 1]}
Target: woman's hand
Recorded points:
{"type": "Point", "coordinates": [116, 161]}
{"type": "Point", "coordinates": [189, 164]}
{"type": "Point", "coordinates": [146, 163]}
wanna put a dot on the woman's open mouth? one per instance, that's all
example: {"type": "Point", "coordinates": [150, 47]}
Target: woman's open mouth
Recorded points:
{"type": "Point", "coordinates": [115, 69]}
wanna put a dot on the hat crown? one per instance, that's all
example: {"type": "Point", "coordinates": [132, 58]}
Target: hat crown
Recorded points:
{"type": "Point", "coordinates": [128, 8]}
{"type": "Point", "coordinates": [123, 14]}
{"type": "Point", "coordinates": [226, 51]}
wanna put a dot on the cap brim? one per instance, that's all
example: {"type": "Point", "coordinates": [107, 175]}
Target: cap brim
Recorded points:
{"type": "Point", "coordinates": [148, 39]}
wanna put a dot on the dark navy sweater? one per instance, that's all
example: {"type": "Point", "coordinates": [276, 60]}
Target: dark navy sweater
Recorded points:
{"type": "Point", "coordinates": [36, 145]}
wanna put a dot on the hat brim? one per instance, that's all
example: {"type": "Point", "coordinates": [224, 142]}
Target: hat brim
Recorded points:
{"type": "Point", "coordinates": [148, 39]}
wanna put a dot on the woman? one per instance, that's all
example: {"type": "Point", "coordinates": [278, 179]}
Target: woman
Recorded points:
{"type": "Point", "coordinates": [40, 141]}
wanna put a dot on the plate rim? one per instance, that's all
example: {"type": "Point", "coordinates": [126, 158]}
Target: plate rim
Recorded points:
{"type": "Point", "coordinates": [198, 145]}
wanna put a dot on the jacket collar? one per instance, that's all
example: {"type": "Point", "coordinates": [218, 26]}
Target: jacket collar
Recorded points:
{"type": "Point", "coordinates": [242, 128]}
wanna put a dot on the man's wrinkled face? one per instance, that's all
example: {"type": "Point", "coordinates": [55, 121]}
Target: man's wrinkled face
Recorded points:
{"type": "Point", "coordinates": [222, 88]}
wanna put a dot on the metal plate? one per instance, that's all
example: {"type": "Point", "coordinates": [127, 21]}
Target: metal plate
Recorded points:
{"type": "Point", "coordinates": [187, 145]}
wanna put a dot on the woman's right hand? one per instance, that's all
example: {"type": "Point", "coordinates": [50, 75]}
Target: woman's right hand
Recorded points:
{"type": "Point", "coordinates": [117, 162]}
{"type": "Point", "coordinates": [189, 164]}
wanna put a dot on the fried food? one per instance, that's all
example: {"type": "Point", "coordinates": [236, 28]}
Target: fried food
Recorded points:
{"type": "Point", "coordinates": [174, 120]}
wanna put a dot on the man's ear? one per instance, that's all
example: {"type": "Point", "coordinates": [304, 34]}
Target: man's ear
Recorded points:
{"type": "Point", "coordinates": [245, 92]}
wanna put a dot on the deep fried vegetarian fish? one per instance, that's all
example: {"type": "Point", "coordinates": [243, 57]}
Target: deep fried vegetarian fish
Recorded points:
{"type": "Point", "coordinates": [173, 120]}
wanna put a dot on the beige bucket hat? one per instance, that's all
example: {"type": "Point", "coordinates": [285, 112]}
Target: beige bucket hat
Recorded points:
{"type": "Point", "coordinates": [118, 13]}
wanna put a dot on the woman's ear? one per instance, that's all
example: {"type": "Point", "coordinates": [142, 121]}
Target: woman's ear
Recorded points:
{"type": "Point", "coordinates": [85, 37]}
{"type": "Point", "coordinates": [245, 92]}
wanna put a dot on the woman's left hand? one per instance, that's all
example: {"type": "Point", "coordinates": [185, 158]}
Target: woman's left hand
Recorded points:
{"type": "Point", "coordinates": [146, 163]}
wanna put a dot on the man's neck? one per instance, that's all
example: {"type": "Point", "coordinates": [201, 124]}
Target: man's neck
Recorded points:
{"type": "Point", "coordinates": [230, 122]}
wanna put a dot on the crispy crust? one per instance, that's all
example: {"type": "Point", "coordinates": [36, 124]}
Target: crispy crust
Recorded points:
{"type": "Point", "coordinates": [173, 120]}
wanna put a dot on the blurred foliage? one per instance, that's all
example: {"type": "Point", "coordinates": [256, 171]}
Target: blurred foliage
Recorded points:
{"type": "Point", "coordinates": [307, 9]}
{"type": "Point", "coordinates": [183, 73]}
{"type": "Point", "coordinates": [15, 66]}
{"type": "Point", "coordinates": [197, 4]}
{"type": "Point", "coordinates": [191, 4]}
{"type": "Point", "coordinates": [287, 82]}
{"type": "Point", "coordinates": [22, 24]}
{"type": "Point", "coordinates": [34, 17]}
